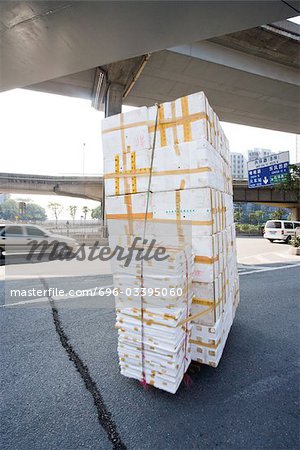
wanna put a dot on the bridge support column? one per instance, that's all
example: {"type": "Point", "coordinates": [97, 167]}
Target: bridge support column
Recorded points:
{"type": "Point", "coordinates": [114, 97]}
{"type": "Point", "coordinates": [295, 213]}
{"type": "Point", "coordinates": [113, 105]}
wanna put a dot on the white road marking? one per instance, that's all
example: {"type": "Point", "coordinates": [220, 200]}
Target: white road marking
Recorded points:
{"type": "Point", "coordinates": [267, 258]}
{"type": "Point", "coordinates": [248, 267]}
{"type": "Point", "coordinates": [56, 298]}
{"type": "Point", "coordinates": [269, 269]}
{"type": "Point", "coordinates": [17, 277]}
{"type": "Point", "coordinates": [282, 255]}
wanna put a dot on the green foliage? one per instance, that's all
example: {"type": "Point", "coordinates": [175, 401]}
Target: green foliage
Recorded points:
{"type": "Point", "coordinates": [256, 214]}
{"type": "Point", "coordinates": [72, 210]}
{"type": "Point", "coordinates": [9, 210]}
{"type": "Point", "coordinates": [238, 214]}
{"type": "Point", "coordinates": [292, 181]}
{"type": "Point", "coordinates": [35, 212]}
{"type": "Point", "coordinates": [247, 228]}
{"type": "Point", "coordinates": [295, 241]}
{"type": "Point", "coordinates": [252, 218]}
{"type": "Point", "coordinates": [278, 214]}
{"type": "Point", "coordinates": [97, 213]}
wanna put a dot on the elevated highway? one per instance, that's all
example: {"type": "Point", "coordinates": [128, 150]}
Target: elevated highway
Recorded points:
{"type": "Point", "coordinates": [244, 56]}
{"type": "Point", "coordinates": [251, 77]}
{"type": "Point", "coordinates": [91, 188]}
{"type": "Point", "coordinates": [69, 186]}
{"type": "Point", "coordinates": [45, 40]}
{"type": "Point", "coordinates": [267, 195]}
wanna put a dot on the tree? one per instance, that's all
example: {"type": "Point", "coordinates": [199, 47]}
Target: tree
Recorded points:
{"type": "Point", "coordinates": [238, 216]}
{"type": "Point", "coordinates": [252, 218]}
{"type": "Point", "coordinates": [56, 209]}
{"type": "Point", "coordinates": [35, 213]}
{"type": "Point", "coordinates": [85, 211]}
{"type": "Point", "coordinates": [97, 212]}
{"type": "Point", "coordinates": [278, 214]}
{"type": "Point", "coordinates": [9, 210]}
{"type": "Point", "coordinates": [73, 209]}
{"type": "Point", "coordinates": [292, 181]}
{"type": "Point", "coordinates": [259, 215]}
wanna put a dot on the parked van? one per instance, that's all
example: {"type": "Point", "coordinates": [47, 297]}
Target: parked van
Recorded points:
{"type": "Point", "coordinates": [280, 230]}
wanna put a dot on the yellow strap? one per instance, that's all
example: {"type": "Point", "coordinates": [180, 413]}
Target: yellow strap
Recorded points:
{"type": "Point", "coordinates": [117, 171]}
{"type": "Point", "coordinates": [167, 123]}
{"type": "Point", "coordinates": [206, 259]}
{"type": "Point", "coordinates": [132, 216]}
{"type": "Point", "coordinates": [174, 128]}
{"type": "Point", "coordinates": [187, 133]}
{"type": "Point", "coordinates": [205, 344]}
{"type": "Point", "coordinates": [199, 314]}
{"type": "Point", "coordinates": [144, 171]}
{"type": "Point", "coordinates": [133, 169]}
{"type": "Point", "coordinates": [162, 131]}
{"type": "Point", "coordinates": [202, 301]}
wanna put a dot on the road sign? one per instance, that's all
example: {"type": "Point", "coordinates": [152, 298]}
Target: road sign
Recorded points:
{"type": "Point", "coordinates": [268, 170]}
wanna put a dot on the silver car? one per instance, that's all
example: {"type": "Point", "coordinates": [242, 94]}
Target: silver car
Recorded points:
{"type": "Point", "coordinates": [18, 239]}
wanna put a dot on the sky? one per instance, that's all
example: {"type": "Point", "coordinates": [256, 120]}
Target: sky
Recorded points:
{"type": "Point", "coordinates": [45, 134]}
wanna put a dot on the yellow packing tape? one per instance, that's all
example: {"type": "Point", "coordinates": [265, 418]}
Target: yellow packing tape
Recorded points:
{"type": "Point", "coordinates": [206, 259]}
{"type": "Point", "coordinates": [144, 171]}
{"type": "Point", "coordinates": [206, 344]}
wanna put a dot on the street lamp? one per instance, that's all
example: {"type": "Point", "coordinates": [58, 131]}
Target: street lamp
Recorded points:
{"type": "Point", "coordinates": [83, 157]}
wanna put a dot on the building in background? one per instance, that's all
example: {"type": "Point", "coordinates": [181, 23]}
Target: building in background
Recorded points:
{"type": "Point", "coordinates": [256, 153]}
{"type": "Point", "coordinates": [3, 198]}
{"type": "Point", "coordinates": [238, 166]}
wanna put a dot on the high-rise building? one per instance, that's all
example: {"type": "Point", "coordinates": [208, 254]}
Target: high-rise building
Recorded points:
{"type": "Point", "coordinates": [238, 166]}
{"type": "Point", "coordinates": [3, 197]}
{"type": "Point", "coordinates": [256, 153]}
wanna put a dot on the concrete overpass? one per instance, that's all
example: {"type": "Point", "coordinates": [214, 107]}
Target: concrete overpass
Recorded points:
{"type": "Point", "coordinates": [91, 188]}
{"type": "Point", "coordinates": [251, 77]}
{"type": "Point", "coordinates": [100, 50]}
{"type": "Point", "coordinates": [267, 195]}
{"type": "Point", "coordinates": [71, 186]}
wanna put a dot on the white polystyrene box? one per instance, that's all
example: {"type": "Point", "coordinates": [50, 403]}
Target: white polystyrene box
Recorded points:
{"type": "Point", "coordinates": [178, 212]}
{"type": "Point", "coordinates": [125, 132]}
{"type": "Point", "coordinates": [193, 207]}
{"type": "Point", "coordinates": [173, 112]}
{"type": "Point", "coordinates": [208, 301]}
{"type": "Point", "coordinates": [207, 256]}
{"type": "Point", "coordinates": [122, 178]}
{"type": "Point", "coordinates": [189, 165]}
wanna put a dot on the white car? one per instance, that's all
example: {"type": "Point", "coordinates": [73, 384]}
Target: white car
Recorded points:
{"type": "Point", "coordinates": [17, 239]}
{"type": "Point", "coordinates": [280, 230]}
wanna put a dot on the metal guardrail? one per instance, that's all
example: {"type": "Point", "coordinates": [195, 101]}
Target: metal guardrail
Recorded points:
{"type": "Point", "coordinates": [77, 229]}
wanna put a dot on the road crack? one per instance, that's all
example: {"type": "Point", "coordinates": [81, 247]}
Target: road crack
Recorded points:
{"type": "Point", "coordinates": [104, 416]}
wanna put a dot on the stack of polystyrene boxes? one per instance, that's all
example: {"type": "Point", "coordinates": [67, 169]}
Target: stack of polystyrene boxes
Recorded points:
{"type": "Point", "coordinates": [189, 202]}
{"type": "Point", "coordinates": [158, 343]}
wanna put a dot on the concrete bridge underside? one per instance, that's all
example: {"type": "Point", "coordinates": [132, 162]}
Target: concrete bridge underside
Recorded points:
{"type": "Point", "coordinates": [81, 187]}
{"type": "Point", "coordinates": [251, 77]}
{"type": "Point", "coordinates": [92, 188]}
{"type": "Point", "coordinates": [158, 51]}
{"type": "Point", "coordinates": [44, 40]}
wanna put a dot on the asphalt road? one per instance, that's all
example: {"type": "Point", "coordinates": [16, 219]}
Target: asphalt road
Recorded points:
{"type": "Point", "coordinates": [61, 386]}
{"type": "Point", "coordinates": [256, 250]}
